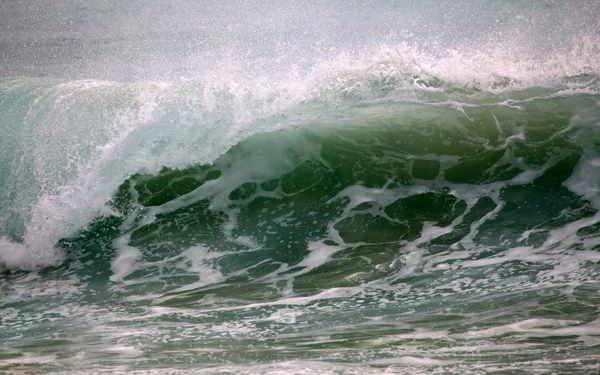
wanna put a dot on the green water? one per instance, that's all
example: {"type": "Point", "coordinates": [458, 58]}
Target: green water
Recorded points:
{"type": "Point", "coordinates": [400, 237]}
{"type": "Point", "coordinates": [299, 187]}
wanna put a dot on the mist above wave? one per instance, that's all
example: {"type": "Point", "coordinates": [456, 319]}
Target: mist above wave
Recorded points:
{"type": "Point", "coordinates": [140, 41]}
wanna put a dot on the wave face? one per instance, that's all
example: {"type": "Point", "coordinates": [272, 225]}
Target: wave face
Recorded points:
{"type": "Point", "coordinates": [300, 188]}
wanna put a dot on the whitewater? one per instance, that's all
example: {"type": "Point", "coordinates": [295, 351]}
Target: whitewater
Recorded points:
{"type": "Point", "coordinates": [312, 187]}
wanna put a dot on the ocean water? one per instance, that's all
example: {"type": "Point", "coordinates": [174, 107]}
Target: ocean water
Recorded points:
{"type": "Point", "coordinates": [307, 187]}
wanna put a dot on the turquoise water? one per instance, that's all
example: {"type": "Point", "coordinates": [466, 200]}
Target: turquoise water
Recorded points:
{"type": "Point", "coordinates": [330, 191]}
